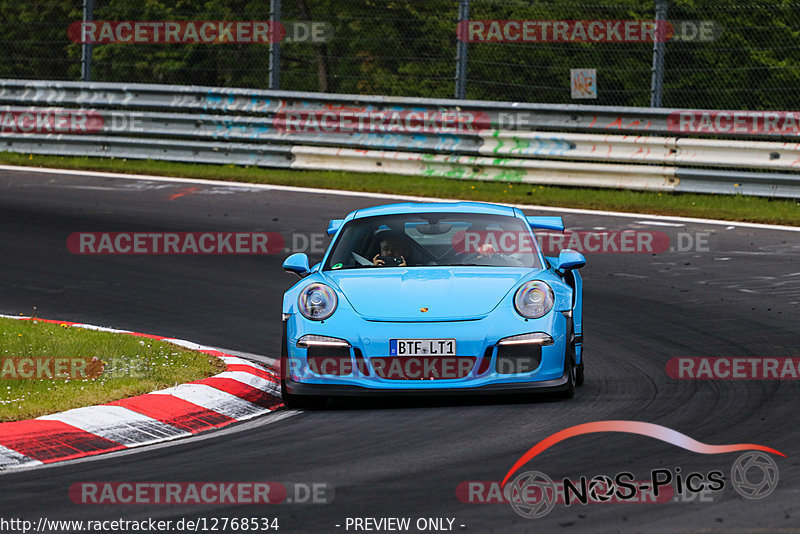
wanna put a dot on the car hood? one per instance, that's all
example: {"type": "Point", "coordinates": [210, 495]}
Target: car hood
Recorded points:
{"type": "Point", "coordinates": [447, 293]}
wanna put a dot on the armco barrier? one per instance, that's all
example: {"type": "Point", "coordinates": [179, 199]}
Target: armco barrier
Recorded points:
{"type": "Point", "coordinates": [642, 177]}
{"type": "Point", "coordinates": [147, 148]}
{"type": "Point", "coordinates": [645, 149]}
{"type": "Point", "coordinates": [587, 146]}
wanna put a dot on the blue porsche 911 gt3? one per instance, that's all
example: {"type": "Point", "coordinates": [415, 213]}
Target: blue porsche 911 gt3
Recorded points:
{"type": "Point", "coordinates": [432, 298]}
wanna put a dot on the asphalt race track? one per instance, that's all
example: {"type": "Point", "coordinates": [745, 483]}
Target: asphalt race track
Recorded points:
{"type": "Point", "coordinates": [740, 297]}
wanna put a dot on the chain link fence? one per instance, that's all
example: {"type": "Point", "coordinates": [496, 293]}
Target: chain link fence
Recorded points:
{"type": "Point", "coordinates": [748, 59]}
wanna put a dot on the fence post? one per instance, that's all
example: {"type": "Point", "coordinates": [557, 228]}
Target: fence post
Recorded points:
{"type": "Point", "coordinates": [86, 48]}
{"type": "Point", "coordinates": [461, 52]}
{"type": "Point", "coordinates": [657, 81]}
{"type": "Point", "coordinates": [274, 46]}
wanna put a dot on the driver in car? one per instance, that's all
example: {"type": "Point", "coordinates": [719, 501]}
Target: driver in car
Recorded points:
{"type": "Point", "coordinates": [393, 252]}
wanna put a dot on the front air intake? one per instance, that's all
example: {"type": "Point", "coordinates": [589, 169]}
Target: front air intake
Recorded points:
{"type": "Point", "coordinates": [515, 359]}
{"type": "Point", "coordinates": [324, 360]}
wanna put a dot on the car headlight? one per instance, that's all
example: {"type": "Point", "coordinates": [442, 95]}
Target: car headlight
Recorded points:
{"type": "Point", "coordinates": [310, 340]}
{"type": "Point", "coordinates": [534, 299]}
{"type": "Point", "coordinates": [317, 302]}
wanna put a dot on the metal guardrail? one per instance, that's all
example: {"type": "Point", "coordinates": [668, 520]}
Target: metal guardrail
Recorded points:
{"type": "Point", "coordinates": [251, 101]}
{"type": "Point", "coordinates": [145, 148]}
{"type": "Point", "coordinates": [529, 143]}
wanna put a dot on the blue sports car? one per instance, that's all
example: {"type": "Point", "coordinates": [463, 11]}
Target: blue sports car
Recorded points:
{"type": "Point", "coordinates": [433, 298]}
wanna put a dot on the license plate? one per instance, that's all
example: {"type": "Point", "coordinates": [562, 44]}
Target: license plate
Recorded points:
{"type": "Point", "coordinates": [422, 347]}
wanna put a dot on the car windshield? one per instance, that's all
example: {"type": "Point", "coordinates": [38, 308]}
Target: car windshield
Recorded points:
{"type": "Point", "coordinates": [434, 239]}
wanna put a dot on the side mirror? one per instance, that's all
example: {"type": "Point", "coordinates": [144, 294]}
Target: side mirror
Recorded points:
{"type": "Point", "coordinates": [298, 264]}
{"type": "Point", "coordinates": [570, 259]}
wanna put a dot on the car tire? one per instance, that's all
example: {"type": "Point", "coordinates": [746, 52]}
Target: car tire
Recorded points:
{"type": "Point", "coordinates": [580, 378]}
{"type": "Point", "coordinates": [290, 400]}
{"type": "Point", "coordinates": [570, 367]}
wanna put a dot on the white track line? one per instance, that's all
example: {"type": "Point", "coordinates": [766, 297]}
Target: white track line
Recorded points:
{"type": "Point", "coordinates": [660, 223]}
{"type": "Point", "coordinates": [118, 424]}
{"type": "Point", "coordinates": [337, 192]}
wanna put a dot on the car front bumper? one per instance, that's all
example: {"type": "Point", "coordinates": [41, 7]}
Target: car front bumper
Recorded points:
{"type": "Point", "coordinates": [476, 339]}
{"type": "Point", "coordinates": [337, 390]}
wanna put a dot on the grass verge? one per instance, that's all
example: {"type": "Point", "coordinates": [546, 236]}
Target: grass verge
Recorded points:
{"type": "Point", "coordinates": [74, 367]}
{"type": "Point", "coordinates": [727, 207]}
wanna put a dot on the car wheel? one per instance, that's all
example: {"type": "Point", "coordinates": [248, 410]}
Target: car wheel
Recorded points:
{"type": "Point", "coordinates": [572, 369]}
{"type": "Point", "coordinates": [580, 378]}
{"type": "Point", "coordinates": [290, 400]}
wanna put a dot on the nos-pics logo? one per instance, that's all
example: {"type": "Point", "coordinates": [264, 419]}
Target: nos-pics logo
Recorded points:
{"type": "Point", "coordinates": [533, 494]}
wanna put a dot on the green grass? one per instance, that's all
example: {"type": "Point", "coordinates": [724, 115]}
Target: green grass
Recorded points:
{"type": "Point", "coordinates": [130, 366]}
{"type": "Point", "coordinates": [727, 207]}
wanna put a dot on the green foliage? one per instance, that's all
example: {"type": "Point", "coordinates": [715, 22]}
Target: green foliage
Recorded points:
{"type": "Point", "coordinates": [123, 366]}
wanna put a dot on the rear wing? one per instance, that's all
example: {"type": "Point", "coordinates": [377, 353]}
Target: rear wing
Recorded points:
{"type": "Point", "coordinates": [546, 223]}
{"type": "Point", "coordinates": [333, 226]}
